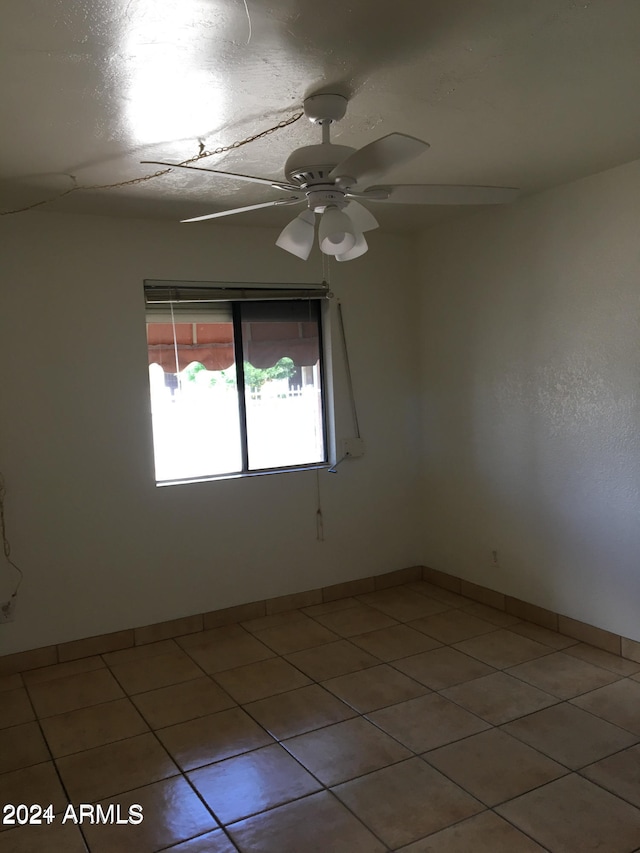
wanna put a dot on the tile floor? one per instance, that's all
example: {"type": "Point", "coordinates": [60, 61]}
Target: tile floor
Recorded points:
{"type": "Point", "coordinates": [409, 719]}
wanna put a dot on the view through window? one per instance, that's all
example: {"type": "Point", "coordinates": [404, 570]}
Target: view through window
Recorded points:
{"type": "Point", "coordinates": [236, 385]}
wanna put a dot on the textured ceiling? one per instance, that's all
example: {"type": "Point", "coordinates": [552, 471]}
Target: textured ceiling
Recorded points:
{"type": "Point", "coordinates": [507, 92]}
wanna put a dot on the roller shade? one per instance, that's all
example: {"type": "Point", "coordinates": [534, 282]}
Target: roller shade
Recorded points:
{"type": "Point", "coordinates": [194, 324]}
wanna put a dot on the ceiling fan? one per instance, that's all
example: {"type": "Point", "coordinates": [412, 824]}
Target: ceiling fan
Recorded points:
{"type": "Point", "coordinates": [333, 180]}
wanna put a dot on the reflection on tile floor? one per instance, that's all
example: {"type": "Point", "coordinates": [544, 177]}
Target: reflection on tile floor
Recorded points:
{"type": "Point", "coordinates": [409, 719]}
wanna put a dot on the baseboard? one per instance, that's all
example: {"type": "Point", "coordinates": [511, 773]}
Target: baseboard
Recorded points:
{"type": "Point", "coordinates": [558, 622]}
{"type": "Point", "coordinates": [103, 643]}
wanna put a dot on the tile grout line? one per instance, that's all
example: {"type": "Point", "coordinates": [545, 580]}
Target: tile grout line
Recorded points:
{"type": "Point", "coordinates": [362, 715]}
{"type": "Point", "coordinates": [55, 764]}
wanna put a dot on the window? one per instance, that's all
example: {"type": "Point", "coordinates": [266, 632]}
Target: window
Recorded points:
{"type": "Point", "coordinates": [236, 380]}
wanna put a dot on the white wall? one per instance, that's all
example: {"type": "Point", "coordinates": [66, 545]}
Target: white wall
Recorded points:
{"type": "Point", "coordinates": [102, 548]}
{"type": "Point", "coordinates": [531, 377]}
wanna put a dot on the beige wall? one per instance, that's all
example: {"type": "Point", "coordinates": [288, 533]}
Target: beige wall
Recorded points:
{"type": "Point", "coordinates": [530, 385]}
{"type": "Point", "coordinates": [102, 548]}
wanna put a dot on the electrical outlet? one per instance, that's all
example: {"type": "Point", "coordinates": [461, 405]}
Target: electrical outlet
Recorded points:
{"type": "Point", "coordinates": [7, 610]}
{"type": "Point", "coordinates": [494, 560]}
{"type": "Point", "coordinates": [352, 447]}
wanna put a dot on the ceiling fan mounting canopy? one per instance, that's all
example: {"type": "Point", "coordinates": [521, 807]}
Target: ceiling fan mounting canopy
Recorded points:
{"type": "Point", "coordinates": [333, 179]}
{"type": "Point", "coordinates": [325, 107]}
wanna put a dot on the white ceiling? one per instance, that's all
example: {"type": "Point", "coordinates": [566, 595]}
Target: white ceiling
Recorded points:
{"type": "Point", "coordinates": [527, 93]}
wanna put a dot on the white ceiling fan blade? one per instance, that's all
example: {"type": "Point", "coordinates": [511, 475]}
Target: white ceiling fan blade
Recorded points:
{"type": "Point", "coordinates": [441, 194]}
{"type": "Point", "coordinates": [278, 185]}
{"type": "Point", "coordinates": [378, 157]}
{"type": "Point", "coordinates": [276, 203]}
{"type": "Point", "coordinates": [363, 219]}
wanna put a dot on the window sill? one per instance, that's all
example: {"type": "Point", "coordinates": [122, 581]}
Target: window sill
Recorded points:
{"type": "Point", "coordinates": [316, 466]}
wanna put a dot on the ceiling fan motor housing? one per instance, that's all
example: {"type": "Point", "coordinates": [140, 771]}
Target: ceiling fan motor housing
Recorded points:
{"type": "Point", "coordinates": [313, 163]}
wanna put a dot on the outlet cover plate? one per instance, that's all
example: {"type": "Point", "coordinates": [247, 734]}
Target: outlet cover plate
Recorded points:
{"type": "Point", "coordinates": [352, 447]}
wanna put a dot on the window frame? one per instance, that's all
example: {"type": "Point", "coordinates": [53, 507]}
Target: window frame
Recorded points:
{"type": "Point", "coordinates": [235, 295]}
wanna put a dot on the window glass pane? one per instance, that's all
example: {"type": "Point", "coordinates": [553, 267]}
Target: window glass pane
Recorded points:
{"type": "Point", "coordinates": [194, 400]}
{"type": "Point", "coordinates": [283, 383]}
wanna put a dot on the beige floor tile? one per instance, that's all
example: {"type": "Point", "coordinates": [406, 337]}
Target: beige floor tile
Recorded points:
{"type": "Point", "coordinates": [10, 682]}
{"type": "Point", "coordinates": [22, 661]}
{"type": "Point", "coordinates": [224, 648]}
{"type": "Point", "coordinates": [22, 746]}
{"type": "Point", "coordinates": [108, 770]}
{"type": "Point", "coordinates": [166, 630]}
{"type": "Point", "coordinates": [490, 614]}
{"type": "Point", "coordinates": [333, 829]}
{"type": "Point", "coordinates": [247, 784]}
{"type": "Point", "coordinates": [618, 703]}
{"type": "Point", "coordinates": [606, 660]}
{"type": "Point", "coordinates": [259, 680]}
{"type": "Point", "coordinates": [484, 833]}
{"type": "Point", "coordinates": [590, 634]}
{"type": "Point", "coordinates": [359, 586]}
{"type": "Point", "coordinates": [427, 722]}
{"type": "Point", "coordinates": [211, 842]}
{"type": "Point", "coordinates": [502, 648]}
{"type": "Point", "coordinates": [212, 738]}
{"type": "Point", "coordinates": [630, 649]}
{"type": "Point", "coordinates": [87, 728]}
{"type": "Point", "coordinates": [36, 784]}
{"type": "Point", "coordinates": [88, 646]}
{"type": "Point", "coordinates": [275, 620]}
{"type": "Point", "coordinates": [181, 702]}
{"type": "Point", "coordinates": [345, 750]}
{"type": "Point", "coordinates": [403, 604]}
{"type": "Point", "coordinates": [439, 593]}
{"type": "Point", "coordinates": [570, 735]}
{"type": "Point", "coordinates": [571, 814]}
{"type": "Point", "coordinates": [299, 711]}
{"type": "Point", "coordinates": [74, 691]}
{"type": "Point", "coordinates": [331, 660]}
{"type": "Point", "coordinates": [619, 773]}
{"type": "Point", "coordinates": [61, 670]}
{"type": "Point", "coordinates": [442, 667]}
{"type": "Point", "coordinates": [483, 594]}
{"type": "Point", "coordinates": [330, 607]}
{"type": "Point", "coordinates": [48, 838]}
{"type": "Point", "coordinates": [406, 801]}
{"type": "Point", "coordinates": [293, 601]}
{"type": "Point", "coordinates": [15, 708]}
{"type": "Point", "coordinates": [452, 626]}
{"type": "Point", "coordinates": [285, 639]}
{"type": "Point", "coordinates": [562, 675]}
{"type": "Point", "coordinates": [543, 635]}
{"type": "Point", "coordinates": [374, 688]}
{"type": "Point", "coordinates": [356, 620]}
{"type": "Point", "coordinates": [158, 671]}
{"type": "Point", "coordinates": [494, 767]}
{"type": "Point", "coordinates": [137, 653]}
{"type": "Point", "coordinates": [172, 812]}
{"type": "Point", "coordinates": [499, 698]}
{"type": "Point", "coordinates": [398, 641]}
{"type": "Point", "coordinates": [233, 614]}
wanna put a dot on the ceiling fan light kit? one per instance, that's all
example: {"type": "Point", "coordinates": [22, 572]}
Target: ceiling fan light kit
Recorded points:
{"type": "Point", "coordinates": [297, 236]}
{"type": "Point", "coordinates": [336, 232]}
{"type": "Point", "coordinates": [332, 180]}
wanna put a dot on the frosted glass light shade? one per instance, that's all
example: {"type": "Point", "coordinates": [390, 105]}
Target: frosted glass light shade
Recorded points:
{"type": "Point", "coordinates": [362, 218]}
{"type": "Point", "coordinates": [360, 248]}
{"type": "Point", "coordinates": [336, 233]}
{"type": "Point", "coordinates": [297, 236]}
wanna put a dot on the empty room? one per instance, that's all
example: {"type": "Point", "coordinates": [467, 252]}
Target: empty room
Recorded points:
{"type": "Point", "coordinates": [320, 426]}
